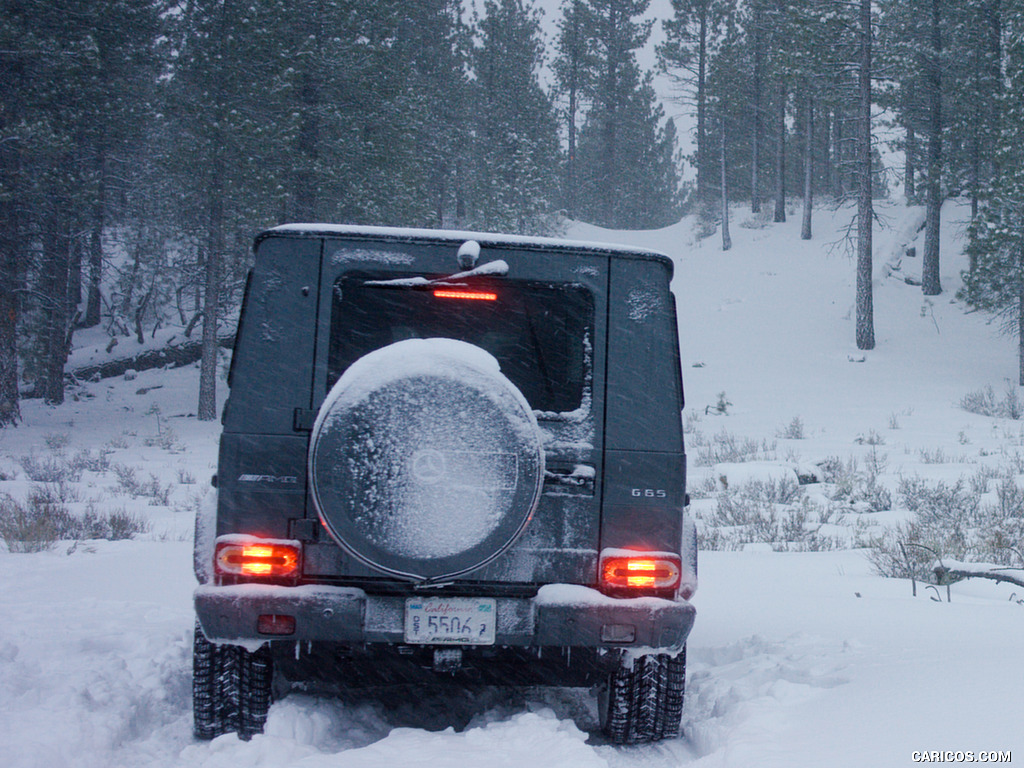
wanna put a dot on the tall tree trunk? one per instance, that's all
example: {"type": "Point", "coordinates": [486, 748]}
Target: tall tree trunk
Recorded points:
{"type": "Point", "coordinates": [930, 283]}
{"type": "Point", "coordinates": [460, 196]}
{"type": "Point", "coordinates": [826, 154]}
{"type": "Point", "coordinates": [214, 244]}
{"type": "Point", "coordinates": [780, 155]}
{"type": "Point", "coordinates": [702, 96]}
{"type": "Point", "coordinates": [10, 263]}
{"type": "Point", "coordinates": [726, 238]}
{"type": "Point", "coordinates": [10, 410]}
{"type": "Point", "coordinates": [93, 299]}
{"type": "Point", "coordinates": [909, 167]}
{"type": "Point", "coordinates": [977, 128]}
{"type": "Point", "coordinates": [838, 181]}
{"type": "Point", "coordinates": [211, 294]}
{"type": "Point", "coordinates": [576, 47]}
{"type": "Point", "coordinates": [570, 166]}
{"type": "Point", "coordinates": [208, 362]}
{"type": "Point", "coordinates": [75, 272]}
{"type": "Point", "coordinates": [56, 269]}
{"type": "Point", "coordinates": [755, 146]}
{"type": "Point", "coordinates": [805, 229]}
{"type": "Point", "coordinates": [1020, 315]}
{"type": "Point", "coordinates": [865, 301]}
{"type": "Point", "coordinates": [310, 96]}
{"type": "Point", "coordinates": [993, 15]}
{"type": "Point", "coordinates": [609, 160]}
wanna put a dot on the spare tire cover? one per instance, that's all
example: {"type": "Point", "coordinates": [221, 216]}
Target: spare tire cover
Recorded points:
{"type": "Point", "coordinates": [425, 460]}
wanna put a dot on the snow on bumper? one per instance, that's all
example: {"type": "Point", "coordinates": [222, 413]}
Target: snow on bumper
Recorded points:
{"type": "Point", "coordinates": [560, 615]}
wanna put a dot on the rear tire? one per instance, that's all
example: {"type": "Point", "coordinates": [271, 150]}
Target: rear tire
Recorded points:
{"type": "Point", "coordinates": [231, 688]}
{"type": "Point", "coordinates": [642, 700]}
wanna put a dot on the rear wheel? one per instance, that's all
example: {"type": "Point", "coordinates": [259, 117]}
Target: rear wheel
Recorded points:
{"type": "Point", "coordinates": [231, 688]}
{"type": "Point", "coordinates": [643, 698]}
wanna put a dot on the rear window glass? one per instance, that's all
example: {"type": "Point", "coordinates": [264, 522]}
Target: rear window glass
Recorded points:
{"type": "Point", "coordinates": [539, 332]}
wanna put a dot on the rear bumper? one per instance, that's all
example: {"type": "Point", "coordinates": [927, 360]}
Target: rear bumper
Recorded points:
{"type": "Point", "coordinates": [560, 615]}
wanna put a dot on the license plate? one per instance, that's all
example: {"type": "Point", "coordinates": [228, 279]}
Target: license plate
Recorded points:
{"type": "Point", "coordinates": [450, 621]}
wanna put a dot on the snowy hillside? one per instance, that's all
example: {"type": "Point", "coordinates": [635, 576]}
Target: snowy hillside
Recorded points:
{"type": "Point", "coordinates": [798, 658]}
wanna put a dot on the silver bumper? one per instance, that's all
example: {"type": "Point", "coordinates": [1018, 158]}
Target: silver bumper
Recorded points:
{"type": "Point", "coordinates": [560, 615]}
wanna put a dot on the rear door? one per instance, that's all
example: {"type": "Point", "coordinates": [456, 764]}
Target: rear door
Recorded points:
{"type": "Point", "coordinates": [545, 325]}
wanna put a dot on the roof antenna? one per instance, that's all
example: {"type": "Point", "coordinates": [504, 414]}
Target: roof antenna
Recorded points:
{"type": "Point", "coordinates": [468, 254]}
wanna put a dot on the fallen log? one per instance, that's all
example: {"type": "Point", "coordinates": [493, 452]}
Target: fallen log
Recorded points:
{"type": "Point", "coordinates": [173, 355]}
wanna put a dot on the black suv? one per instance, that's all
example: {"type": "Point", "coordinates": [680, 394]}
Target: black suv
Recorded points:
{"type": "Point", "coordinates": [449, 455]}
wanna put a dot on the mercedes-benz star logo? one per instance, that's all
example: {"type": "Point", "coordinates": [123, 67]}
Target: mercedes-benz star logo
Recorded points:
{"type": "Point", "coordinates": [428, 466]}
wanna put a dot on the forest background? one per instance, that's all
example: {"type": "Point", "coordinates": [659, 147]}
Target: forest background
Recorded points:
{"type": "Point", "coordinates": [144, 142]}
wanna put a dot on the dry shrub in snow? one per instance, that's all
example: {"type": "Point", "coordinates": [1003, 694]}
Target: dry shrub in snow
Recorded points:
{"type": "Point", "coordinates": [56, 467]}
{"type": "Point", "coordinates": [53, 468]}
{"type": "Point", "coordinates": [959, 521]}
{"type": "Point", "coordinates": [793, 431]}
{"type": "Point", "coordinates": [771, 512]}
{"type": "Point", "coordinates": [31, 529]}
{"type": "Point", "coordinates": [726, 448]}
{"type": "Point", "coordinates": [43, 520]}
{"type": "Point", "coordinates": [855, 488]}
{"type": "Point", "coordinates": [984, 403]}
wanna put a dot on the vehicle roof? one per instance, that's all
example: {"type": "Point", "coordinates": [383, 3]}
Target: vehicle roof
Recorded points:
{"type": "Point", "coordinates": [411, 235]}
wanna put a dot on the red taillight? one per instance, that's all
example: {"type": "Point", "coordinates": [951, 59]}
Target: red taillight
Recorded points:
{"type": "Point", "coordinates": [444, 293]}
{"type": "Point", "coordinates": [642, 572]}
{"type": "Point", "coordinates": [269, 560]}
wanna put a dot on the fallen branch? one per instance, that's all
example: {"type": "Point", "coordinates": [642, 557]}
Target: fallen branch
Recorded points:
{"type": "Point", "coordinates": [944, 575]}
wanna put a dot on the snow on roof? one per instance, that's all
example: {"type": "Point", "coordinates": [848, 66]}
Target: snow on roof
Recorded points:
{"type": "Point", "coordinates": [456, 236]}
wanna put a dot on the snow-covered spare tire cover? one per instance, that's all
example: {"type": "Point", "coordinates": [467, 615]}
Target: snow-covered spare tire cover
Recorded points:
{"type": "Point", "coordinates": [425, 461]}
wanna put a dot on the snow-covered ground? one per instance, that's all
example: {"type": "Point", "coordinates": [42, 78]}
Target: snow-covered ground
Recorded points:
{"type": "Point", "coordinates": [797, 659]}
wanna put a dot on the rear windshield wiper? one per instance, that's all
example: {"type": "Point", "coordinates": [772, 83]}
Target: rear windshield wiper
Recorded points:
{"type": "Point", "coordinates": [498, 268]}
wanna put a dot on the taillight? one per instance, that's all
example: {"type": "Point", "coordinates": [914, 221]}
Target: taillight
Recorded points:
{"type": "Point", "coordinates": [640, 572]}
{"type": "Point", "coordinates": [255, 559]}
{"type": "Point", "coordinates": [445, 293]}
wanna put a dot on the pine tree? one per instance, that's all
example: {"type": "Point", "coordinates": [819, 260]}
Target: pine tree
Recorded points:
{"type": "Point", "coordinates": [130, 56]}
{"type": "Point", "coordinates": [996, 236]}
{"type": "Point", "coordinates": [75, 78]}
{"type": "Point", "coordinates": [574, 68]}
{"type": "Point", "coordinates": [431, 105]}
{"type": "Point", "coordinates": [515, 144]}
{"type": "Point", "coordinates": [215, 113]}
{"type": "Point", "coordinates": [728, 112]}
{"type": "Point", "coordinates": [624, 140]}
{"type": "Point", "coordinates": [637, 184]}
{"type": "Point", "coordinates": [916, 44]}
{"type": "Point", "coordinates": [55, 113]}
{"type": "Point", "coordinates": [684, 56]}
{"type": "Point", "coordinates": [617, 33]}
{"type": "Point", "coordinates": [757, 96]}
{"type": "Point", "coordinates": [816, 61]}
{"type": "Point", "coordinates": [779, 33]}
{"type": "Point", "coordinates": [13, 132]}
{"type": "Point", "coordinates": [974, 83]}
{"type": "Point", "coordinates": [901, 51]}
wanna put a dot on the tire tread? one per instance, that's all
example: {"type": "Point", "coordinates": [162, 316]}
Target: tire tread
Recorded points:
{"type": "Point", "coordinates": [231, 688]}
{"type": "Point", "coordinates": [643, 700]}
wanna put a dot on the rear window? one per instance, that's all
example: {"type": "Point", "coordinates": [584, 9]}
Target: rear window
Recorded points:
{"type": "Point", "coordinates": [539, 332]}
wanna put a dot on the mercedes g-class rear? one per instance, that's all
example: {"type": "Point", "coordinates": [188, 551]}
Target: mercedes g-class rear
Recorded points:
{"type": "Point", "coordinates": [449, 455]}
